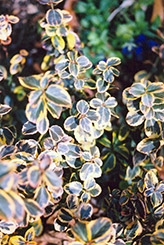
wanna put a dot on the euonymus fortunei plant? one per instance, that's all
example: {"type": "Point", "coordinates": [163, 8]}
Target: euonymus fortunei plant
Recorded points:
{"type": "Point", "coordinates": [65, 147]}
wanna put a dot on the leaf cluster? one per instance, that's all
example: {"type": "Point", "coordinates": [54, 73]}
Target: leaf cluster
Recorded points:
{"type": "Point", "coordinates": [59, 163]}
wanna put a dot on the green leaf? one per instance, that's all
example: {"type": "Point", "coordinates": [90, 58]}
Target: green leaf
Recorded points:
{"type": "Point", "coordinates": [111, 102]}
{"type": "Point", "coordinates": [72, 201]}
{"type": "Point", "coordinates": [86, 124]}
{"type": "Point", "coordinates": [34, 97]}
{"type": "Point", "coordinates": [137, 89]}
{"type": "Point", "coordinates": [56, 133]}
{"type": "Point", "coordinates": [4, 109]}
{"type": "Point", "coordinates": [156, 199]}
{"type": "Point", "coordinates": [122, 150]}
{"type": "Point", "coordinates": [71, 123]}
{"type": "Point", "coordinates": [82, 107]}
{"type": "Point", "coordinates": [38, 227]}
{"type": "Point", "coordinates": [65, 215]}
{"type": "Point", "coordinates": [7, 206]}
{"type": "Point", "coordinates": [157, 237]}
{"type": "Point", "coordinates": [71, 40]}
{"type": "Point", "coordinates": [101, 66]}
{"type": "Point", "coordinates": [79, 231]}
{"type": "Point", "coordinates": [79, 83]}
{"type": "Point", "coordinates": [135, 118]}
{"type": "Point", "coordinates": [159, 211]}
{"type": "Point", "coordinates": [109, 163]}
{"type": "Point", "coordinates": [52, 179]}
{"type": "Point", "coordinates": [89, 183]}
{"type": "Point", "coordinates": [148, 145]}
{"type": "Point", "coordinates": [152, 128]}
{"type": "Point", "coordinates": [90, 83]}
{"type": "Point", "coordinates": [105, 116]}
{"type": "Point", "coordinates": [149, 192]}
{"type": "Point", "coordinates": [3, 73]}
{"type": "Point", "coordinates": [74, 187]}
{"type": "Point", "coordinates": [45, 81]}
{"type": "Point", "coordinates": [158, 94]}
{"type": "Point", "coordinates": [14, 68]}
{"type": "Point", "coordinates": [42, 124]}
{"type": "Point", "coordinates": [84, 62]}
{"type": "Point", "coordinates": [87, 171]}
{"type": "Point", "coordinates": [58, 95]}
{"type": "Point", "coordinates": [62, 64]}
{"type": "Point", "coordinates": [85, 211]}
{"type": "Point", "coordinates": [115, 71]}
{"type": "Point", "coordinates": [74, 69]}
{"type": "Point", "coordinates": [100, 230]}
{"type": "Point", "coordinates": [33, 208]}
{"type": "Point", "coordinates": [140, 75]}
{"type": "Point", "coordinates": [58, 42]}
{"type": "Point", "coordinates": [123, 133]}
{"type": "Point", "coordinates": [135, 105]}
{"type": "Point", "coordinates": [17, 240]}
{"type": "Point", "coordinates": [148, 112]}
{"type": "Point", "coordinates": [74, 151]}
{"type": "Point", "coordinates": [147, 99]}
{"type": "Point", "coordinates": [92, 115]}
{"type": "Point", "coordinates": [34, 175]}
{"type": "Point", "coordinates": [95, 103]}
{"type": "Point", "coordinates": [14, 19]}
{"type": "Point", "coordinates": [6, 136]}
{"type": "Point", "coordinates": [28, 146]}
{"type": "Point", "coordinates": [133, 230]}
{"type": "Point", "coordinates": [30, 234]}
{"type": "Point", "coordinates": [31, 82]}
{"type": "Point", "coordinates": [102, 85]}
{"type": "Point", "coordinates": [95, 191]}
{"type": "Point", "coordinates": [123, 199]}
{"type": "Point", "coordinates": [150, 179]}
{"type": "Point", "coordinates": [60, 226]}
{"type": "Point", "coordinates": [54, 109]}
{"type": "Point", "coordinates": [6, 150]}
{"type": "Point", "coordinates": [85, 197]}
{"type": "Point", "coordinates": [154, 87]}
{"type": "Point", "coordinates": [45, 161]}
{"type": "Point", "coordinates": [5, 168]}
{"type": "Point", "coordinates": [33, 112]}
{"type": "Point", "coordinates": [105, 142]}
{"type": "Point", "coordinates": [29, 128]}
{"type": "Point", "coordinates": [7, 182]}
{"type": "Point", "coordinates": [160, 188]}
{"type": "Point", "coordinates": [114, 61]}
{"type": "Point", "coordinates": [42, 196]}
{"type": "Point", "coordinates": [19, 206]}
{"type": "Point", "coordinates": [159, 115]}
{"type": "Point", "coordinates": [50, 1]}
{"type": "Point", "coordinates": [97, 170]}
{"type": "Point", "coordinates": [7, 227]}
{"type": "Point", "coordinates": [108, 76]}
{"type": "Point", "coordinates": [54, 17]}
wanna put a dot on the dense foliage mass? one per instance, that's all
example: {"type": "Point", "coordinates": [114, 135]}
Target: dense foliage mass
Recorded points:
{"type": "Point", "coordinates": [77, 146]}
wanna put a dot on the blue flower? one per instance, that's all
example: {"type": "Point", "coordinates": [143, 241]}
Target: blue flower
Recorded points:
{"type": "Point", "coordinates": [141, 38]}
{"type": "Point", "coordinates": [126, 51]}
{"type": "Point", "coordinates": [128, 48]}
{"type": "Point", "coordinates": [139, 48]}
{"type": "Point", "coordinates": [152, 43]}
{"type": "Point", "coordinates": [138, 53]}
